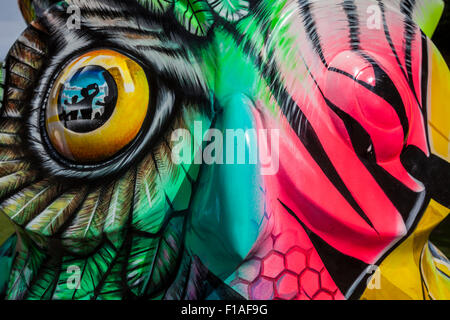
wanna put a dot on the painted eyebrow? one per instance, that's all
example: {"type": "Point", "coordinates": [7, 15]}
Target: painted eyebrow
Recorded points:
{"type": "Point", "coordinates": [117, 25]}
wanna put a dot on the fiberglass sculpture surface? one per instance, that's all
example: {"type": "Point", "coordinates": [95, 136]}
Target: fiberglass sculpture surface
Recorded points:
{"type": "Point", "coordinates": [93, 205]}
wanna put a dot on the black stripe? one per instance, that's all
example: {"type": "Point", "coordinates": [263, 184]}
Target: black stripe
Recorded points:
{"type": "Point", "coordinates": [353, 23]}
{"type": "Point", "coordinates": [301, 125]}
{"type": "Point", "coordinates": [311, 29]}
{"type": "Point", "coordinates": [407, 8]}
{"type": "Point", "coordinates": [410, 30]}
{"type": "Point", "coordinates": [384, 88]}
{"type": "Point", "coordinates": [424, 85]}
{"type": "Point", "coordinates": [403, 198]}
{"type": "Point", "coordinates": [433, 171]}
{"type": "Point", "coordinates": [389, 38]}
{"type": "Point", "coordinates": [304, 130]}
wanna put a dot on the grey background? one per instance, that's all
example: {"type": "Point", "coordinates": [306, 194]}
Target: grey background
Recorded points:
{"type": "Point", "coordinates": [11, 25]}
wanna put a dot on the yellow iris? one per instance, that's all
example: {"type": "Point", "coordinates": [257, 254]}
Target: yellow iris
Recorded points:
{"type": "Point", "coordinates": [128, 112]}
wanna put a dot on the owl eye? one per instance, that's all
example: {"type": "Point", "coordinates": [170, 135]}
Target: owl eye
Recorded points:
{"type": "Point", "coordinates": [97, 106]}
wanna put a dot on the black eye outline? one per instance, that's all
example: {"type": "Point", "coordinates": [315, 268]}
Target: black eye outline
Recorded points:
{"type": "Point", "coordinates": [162, 100]}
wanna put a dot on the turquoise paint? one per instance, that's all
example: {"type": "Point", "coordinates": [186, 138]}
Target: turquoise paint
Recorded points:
{"type": "Point", "coordinates": [228, 70]}
{"type": "Point", "coordinates": [6, 259]}
{"type": "Point", "coordinates": [227, 207]}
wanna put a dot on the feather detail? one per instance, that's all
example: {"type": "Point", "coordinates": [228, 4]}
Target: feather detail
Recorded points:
{"type": "Point", "coordinates": [10, 126]}
{"type": "Point", "coordinates": [56, 214]}
{"type": "Point", "coordinates": [153, 261]}
{"type": "Point", "coordinates": [175, 178]}
{"type": "Point", "coordinates": [34, 40]}
{"type": "Point", "coordinates": [8, 153]}
{"type": "Point", "coordinates": [162, 186]}
{"type": "Point", "coordinates": [44, 283]}
{"type": "Point", "coordinates": [90, 271]}
{"type": "Point", "coordinates": [32, 9]}
{"type": "Point", "coordinates": [195, 16]}
{"type": "Point", "coordinates": [189, 282]}
{"type": "Point", "coordinates": [142, 254]}
{"type": "Point", "coordinates": [9, 139]}
{"type": "Point", "coordinates": [156, 6]}
{"type": "Point", "coordinates": [13, 109]}
{"type": "Point", "coordinates": [19, 82]}
{"type": "Point", "coordinates": [29, 202]}
{"type": "Point", "coordinates": [150, 205]}
{"type": "Point", "coordinates": [231, 10]}
{"type": "Point", "coordinates": [10, 133]}
{"type": "Point", "coordinates": [26, 55]}
{"type": "Point", "coordinates": [16, 181]}
{"type": "Point", "coordinates": [113, 286]}
{"type": "Point", "coordinates": [119, 207]}
{"type": "Point", "coordinates": [9, 167]}
{"type": "Point", "coordinates": [85, 231]}
{"type": "Point", "coordinates": [26, 264]}
{"type": "Point", "coordinates": [22, 70]}
{"type": "Point", "coordinates": [7, 229]}
{"type": "Point", "coordinates": [24, 60]}
{"type": "Point", "coordinates": [7, 252]}
{"type": "Point", "coordinates": [27, 9]}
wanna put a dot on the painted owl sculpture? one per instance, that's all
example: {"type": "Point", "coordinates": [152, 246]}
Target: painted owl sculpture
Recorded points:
{"type": "Point", "coordinates": [224, 149]}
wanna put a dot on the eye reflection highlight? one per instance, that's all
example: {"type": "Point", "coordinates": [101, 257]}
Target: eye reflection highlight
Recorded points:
{"type": "Point", "coordinates": [97, 106]}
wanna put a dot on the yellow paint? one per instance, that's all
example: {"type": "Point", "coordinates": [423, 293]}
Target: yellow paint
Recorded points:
{"type": "Point", "coordinates": [435, 281]}
{"type": "Point", "coordinates": [439, 110]}
{"type": "Point", "coordinates": [411, 271]}
{"type": "Point", "coordinates": [123, 125]}
{"type": "Point", "coordinates": [401, 276]}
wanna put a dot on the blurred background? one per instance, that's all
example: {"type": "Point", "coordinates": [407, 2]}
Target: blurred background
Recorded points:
{"type": "Point", "coordinates": [11, 25]}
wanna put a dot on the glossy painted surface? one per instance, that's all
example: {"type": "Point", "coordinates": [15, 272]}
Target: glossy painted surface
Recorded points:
{"type": "Point", "coordinates": [129, 106]}
{"type": "Point", "coordinates": [360, 151]}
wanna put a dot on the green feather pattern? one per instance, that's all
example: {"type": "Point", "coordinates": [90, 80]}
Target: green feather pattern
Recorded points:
{"type": "Point", "coordinates": [92, 272]}
{"type": "Point", "coordinates": [150, 205]}
{"type": "Point", "coordinates": [26, 266]}
{"type": "Point", "coordinates": [15, 181]}
{"type": "Point", "coordinates": [56, 214]}
{"type": "Point", "coordinates": [194, 15]}
{"type": "Point", "coordinates": [197, 16]}
{"type": "Point", "coordinates": [231, 10]}
{"type": "Point", "coordinates": [156, 6]}
{"type": "Point", "coordinates": [86, 230]}
{"type": "Point", "coordinates": [153, 261]}
{"type": "Point", "coordinates": [119, 208]}
{"type": "Point", "coordinates": [23, 206]}
{"type": "Point", "coordinates": [88, 227]}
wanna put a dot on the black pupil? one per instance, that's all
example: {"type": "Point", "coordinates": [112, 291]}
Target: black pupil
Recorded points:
{"type": "Point", "coordinates": [87, 99]}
